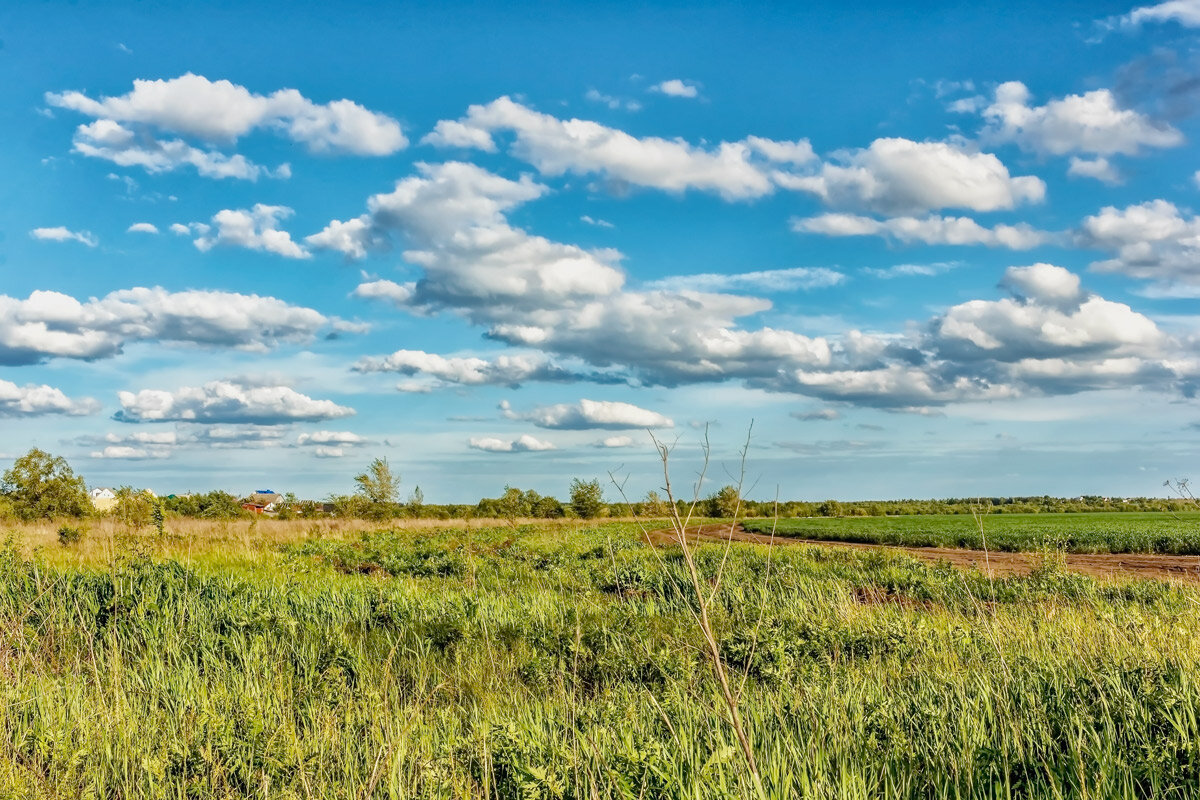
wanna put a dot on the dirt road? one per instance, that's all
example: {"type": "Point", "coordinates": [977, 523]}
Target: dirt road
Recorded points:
{"type": "Point", "coordinates": [1101, 565]}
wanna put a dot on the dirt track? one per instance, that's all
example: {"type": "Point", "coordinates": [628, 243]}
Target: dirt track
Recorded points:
{"type": "Point", "coordinates": [1103, 565]}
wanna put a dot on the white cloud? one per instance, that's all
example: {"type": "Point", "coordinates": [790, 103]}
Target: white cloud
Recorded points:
{"type": "Point", "coordinates": [1099, 168]}
{"type": "Point", "coordinates": [227, 402]}
{"type": "Point", "coordinates": [51, 324]}
{"type": "Point", "coordinates": [33, 400]}
{"type": "Point", "coordinates": [616, 441]}
{"type": "Point", "coordinates": [137, 446]}
{"type": "Point", "coordinates": [556, 147]}
{"type": "Point", "coordinates": [912, 270]}
{"type": "Point", "coordinates": [768, 281]}
{"type": "Point", "coordinates": [142, 227]}
{"type": "Point", "coordinates": [336, 438]}
{"type": "Point", "coordinates": [933, 229]}
{"type": "Point", "coordinates": [590, 415]}
{"type": "Point", "coordinates": [1050, 336]}
{"type": "Point", "coordinates": [351, 237]}
{"type": "Point", "coordinates": [111, 141]}
{"type": "Point", "coordinates": [981, 350]}
{"type": "Point", "coordinates": [254, 230]}
{"type": "Point", "coordinates": [1152, 241]}
{"type": "Point", "coordinates": [1185, 12]}
{"type": "Point", "coordinates": [599, 223]}
{"type": "Point", "coordinates": [502, 370]}
{"type": "Point", "coordinates": [130, 453]}
{"type": "Point", "coordinates": [395, 293]}
{"type": "Point", "coordinates": [613, 103]}
{"type": "Point", "coordinates": [452, 216]}
{"type": "Point", "coordinates": [221, 111]}
{"type": "Point", "coordinates": [523, 444]}
{"type": "Point", "coordinates": [899, 176]}
{"type": "Point", "coordinates": [179, 229]}
{"type": "Point", "coordinates": [63, 234]}
{"type": "Point", "coordinates": [1086, 123]}
{"type": "Point", "coordinates": [676, 88]}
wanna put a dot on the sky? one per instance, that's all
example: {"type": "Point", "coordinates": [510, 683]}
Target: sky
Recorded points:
{"type": "Point", "coordinates": [932, 250]}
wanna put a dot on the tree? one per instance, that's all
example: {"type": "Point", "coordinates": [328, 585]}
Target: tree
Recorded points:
{"type": "Point", "coordinates": [654, 505]}
{"type": "Point", "coordinates": [42, 486]}
{"type": "Point", "coordinates": [513, 505]}
{"type": "Point", "coordinates": [724, 503]}
{"type": "Point", "coordinates": [378, 484]}
{"type": "Point", "coordinates": [134, 507]}
{"type": "Point", "coordinates": [416, 501]}
{"type": "Point", "coordinates": [587, 498]}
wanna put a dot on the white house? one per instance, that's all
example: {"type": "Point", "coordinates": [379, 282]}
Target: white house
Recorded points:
{"type": "Point", "coordinates": [103, 498]}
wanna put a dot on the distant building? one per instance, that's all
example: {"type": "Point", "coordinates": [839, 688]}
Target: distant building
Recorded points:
{"type": "Point", "coordinates": [103, 498]}
{"type": "Point", "coordinates": [262, 501]}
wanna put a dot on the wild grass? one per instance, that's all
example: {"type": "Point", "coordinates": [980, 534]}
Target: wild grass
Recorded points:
{"type": "Point", "coordinates": [562, 662]}
{"type": "Point", "coordinates": [1105, 532]}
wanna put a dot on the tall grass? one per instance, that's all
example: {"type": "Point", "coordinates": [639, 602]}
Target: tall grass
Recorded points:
{"type": "Point", "coordinates": [502, 663]}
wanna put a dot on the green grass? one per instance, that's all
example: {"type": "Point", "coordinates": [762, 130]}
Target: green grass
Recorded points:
{"type": "Point", "coordinates": [1137, 532]}
{"type": "Point", "coordinates": [550, 663]}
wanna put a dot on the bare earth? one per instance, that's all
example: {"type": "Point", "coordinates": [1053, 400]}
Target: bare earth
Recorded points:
{"type": "Point", "coordinates": [1102, 565]}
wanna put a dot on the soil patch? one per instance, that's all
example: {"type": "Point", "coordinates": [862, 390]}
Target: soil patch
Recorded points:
{"type": "Point", "coordinates": [1000, 564]}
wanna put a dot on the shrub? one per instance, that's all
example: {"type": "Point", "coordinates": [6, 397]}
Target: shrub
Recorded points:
{"type": "Point", "coordinates": [69, 535]}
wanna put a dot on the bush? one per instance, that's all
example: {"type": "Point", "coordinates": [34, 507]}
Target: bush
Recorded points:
{"type": "Point", "coordinates": [69, 535]}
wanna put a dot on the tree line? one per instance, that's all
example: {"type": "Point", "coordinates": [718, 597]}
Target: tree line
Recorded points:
{"type": "Point", "coordinates": [43, 486]}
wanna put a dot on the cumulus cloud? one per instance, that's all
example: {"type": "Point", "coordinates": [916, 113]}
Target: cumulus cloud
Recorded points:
{"type": "Point", "coordinates": [933, 229]}
{"type": "Point", "coordinates": [615, 441]}
{"type": "Point", "coordinates": [1049, 336]}
{"type": "Point", "coordinates": [137, 446]}
{"type": "Point", "coordinates": [590, 415]}
{"type": "Point", "coordinates": [1048, 316]}
{"type": "Point", "coordinates": [226, 402]}
{"type": "Point", "coordinates": [734, 170]}
{"type": "Point", "coordinates": [142, 227]}
{"type": "Point", "coordinates": [51, 324]}
{"type": "Point", "coordinates": [1185, 12]}
{"type": "Point", "coordinates": [63, 234]}
{"type": "Point", "coordinates": [1153, 241]}
{"type": "Point", "coordinates": [335, 438]}
{"type": "Point", "coordinates": [32, 400]}
{"type": "Point", "coordinates": [255, 229]}
{"type": "Point", "coordinates": [127, 126]}
{"type": "Point", "coordinates": [523, 444]}
{"type": "Point", "coordinates": [109, 140]}
{"type": "Point", "coordinates": [898, 176]}
{"type": "Point", "coordinates": [537, 294]}
{"type": "Point", "coordinates": [1078, 123]}
{"type": "Point", "coordinates": [1099, 168]}
{"type": "Point", "coordinates": [452, 218]}
{"type": "Point", "coordinates": [502, 370]}
{"type": "Point", "coordinates": [767, 281]}
{"type": "Point", "coordinates": [676, 87]}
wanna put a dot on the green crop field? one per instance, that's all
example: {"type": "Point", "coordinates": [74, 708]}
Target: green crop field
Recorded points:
{"type": "Point", "coordinates": [1076, 533]}
{"type": "Point", "coordinates": [564, 662]}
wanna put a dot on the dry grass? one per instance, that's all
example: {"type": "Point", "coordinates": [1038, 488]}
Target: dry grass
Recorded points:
{"type": "Point", "coordinates": [255, 539]}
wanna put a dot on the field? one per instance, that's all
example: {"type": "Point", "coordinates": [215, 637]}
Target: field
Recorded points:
{"type": "Point", "coordinates": [1133, 532]}
{"type": "Point", "coordinates": [562, 661]}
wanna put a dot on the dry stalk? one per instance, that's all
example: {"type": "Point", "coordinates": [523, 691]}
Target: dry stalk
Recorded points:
{"type": "Point", "coordinates": [713, 649]}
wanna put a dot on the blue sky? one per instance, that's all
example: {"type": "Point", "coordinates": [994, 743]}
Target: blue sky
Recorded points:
{"type": "Point", "coordinates": [930, 251]}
